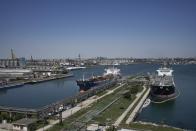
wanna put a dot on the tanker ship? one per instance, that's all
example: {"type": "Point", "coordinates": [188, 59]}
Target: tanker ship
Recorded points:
{"type": "Point", "coordinates": [163, 86]}
{"type": "Point", "coordinates": [109, 75]}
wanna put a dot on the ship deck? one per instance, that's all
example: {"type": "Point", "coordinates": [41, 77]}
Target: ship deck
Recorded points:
{"type": "Point", "coordinates": [163, 81]}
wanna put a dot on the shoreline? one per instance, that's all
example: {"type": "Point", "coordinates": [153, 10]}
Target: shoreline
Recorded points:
{"type": "Point", "coordinates": [21, 83]}
{"type": "Point", "coordinates": [155, 124]}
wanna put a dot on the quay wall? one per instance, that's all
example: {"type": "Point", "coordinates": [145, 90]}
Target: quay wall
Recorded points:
{"type": "Point", "coordinates": [32, 81]}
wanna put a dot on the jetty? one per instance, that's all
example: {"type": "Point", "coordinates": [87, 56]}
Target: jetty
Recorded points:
{"type": "Point", "coordinates": [138, 107]}
{"type": "Point", "coordinates": [20, 83]}
{"type": "Point", "coordinates": [119, 120]}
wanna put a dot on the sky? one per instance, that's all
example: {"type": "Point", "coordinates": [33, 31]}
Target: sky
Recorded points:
{"type": "Point", "coordinates": [108, 28]}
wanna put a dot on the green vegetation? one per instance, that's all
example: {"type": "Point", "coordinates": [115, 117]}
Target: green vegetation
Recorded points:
{"type": "Point", "coordinates": [134, 87]}
{"type": "Point", "coordinates": [111, 88]}
{"type": "Point", "coordinates": [114, 111]}
{"type": "Point", "coordinates": [133, 90]}
{"type": "Point", "coordinates": [15, 116]}
{"type": "Point", "coordinates": [4, 116]}
{"type": "Point", "coordinates": [131, 77]}
{"type": "Point", "coordinates": [140, 126]}
{"type": "Point", "coordinates": [110, 114]}
{"type": "Point", "coordinates": [37, 125]}
{"type": "Point", "coordinates": [68, 123]}
{"type": "Point", "coordinates": [83, 114]}
{"type": "Point", "coordinates": [129, 113]}
{"type": "Point", "coordinates": [112, 128]}
{"type": "Point", "coordinates": [104, 92]}
{"type": "Point", "coordinates": [127, 95]}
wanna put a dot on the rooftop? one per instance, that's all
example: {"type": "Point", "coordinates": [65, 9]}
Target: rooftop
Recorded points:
{"type": "Point", "coordinates": [24, 121]}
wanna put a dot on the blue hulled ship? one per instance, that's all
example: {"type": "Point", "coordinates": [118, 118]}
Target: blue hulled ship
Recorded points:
{"type": "Point", "coordinates": [108, 75]}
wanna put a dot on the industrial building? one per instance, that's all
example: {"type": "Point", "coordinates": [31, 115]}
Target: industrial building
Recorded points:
{"type": "Point", "coordinates": [15, 73]}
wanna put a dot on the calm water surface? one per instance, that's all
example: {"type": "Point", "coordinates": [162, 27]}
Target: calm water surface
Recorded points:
{"type": "Point", "coordinates": [41, 94]}
{"type": "Point", "coordinates": [179, 113]}
{"type": "Point", "coordinates": [182, 111]}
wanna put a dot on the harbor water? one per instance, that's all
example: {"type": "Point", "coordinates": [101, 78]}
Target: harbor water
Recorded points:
{"type": "Point", "coordinates": [44, 93]}
{"type": "Point", "coordinates": [180, 112]}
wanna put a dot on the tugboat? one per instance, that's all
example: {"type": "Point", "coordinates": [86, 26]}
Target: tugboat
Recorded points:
{"type": "Point", "coordinates": [109, 75]}
{"type": "Point", "coordinates": [163, 86]}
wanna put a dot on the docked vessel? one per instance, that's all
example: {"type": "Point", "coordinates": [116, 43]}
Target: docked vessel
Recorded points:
{"type": "Point", "coordinates": [75, 68]}
{"type": "Point", "coordinates": [12, 86]}
{"type": "Point", "coordinates": [109, 75]}
{"type": "Point", "coordinates": [163, 86]}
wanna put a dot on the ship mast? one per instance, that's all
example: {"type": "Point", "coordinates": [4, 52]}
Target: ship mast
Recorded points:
{"type": "Point", "coordinates": [83, 77]}
{"type": "Point", "coordinates": [12, 54]}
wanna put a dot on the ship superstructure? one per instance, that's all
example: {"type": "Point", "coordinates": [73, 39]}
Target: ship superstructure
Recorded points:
{"type": "Point", "coordinates": [163, 85]}
{"type": "Point", "coordinates": [112, 71]}
{"type": "Point", "coordinates": [108, 76]}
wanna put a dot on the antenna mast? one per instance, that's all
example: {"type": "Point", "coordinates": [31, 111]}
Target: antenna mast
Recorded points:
{"type": "Point", "coordinates": [12, 54]}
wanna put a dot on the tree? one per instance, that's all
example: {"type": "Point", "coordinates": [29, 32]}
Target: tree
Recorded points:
{"type": "Point", "coordinates": [127, 95]}
{"type": "Point", "coordinates": [134, 90]}
{"type": "Point", "coordinates": [111, 128]}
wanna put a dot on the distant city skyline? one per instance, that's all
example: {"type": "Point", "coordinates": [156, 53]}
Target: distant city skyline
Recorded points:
{"type": "Point", "coordinates": [92, 28]}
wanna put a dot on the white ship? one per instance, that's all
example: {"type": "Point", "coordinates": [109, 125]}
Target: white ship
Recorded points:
{"type": "Point", "coordinates": [163, 85]}
{"type": "Point", "coordinates": [112, 71]}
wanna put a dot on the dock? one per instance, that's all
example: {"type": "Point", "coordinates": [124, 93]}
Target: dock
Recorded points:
{"type": "Point", "coordinates": [120, 119]}
{"type": "Point", "coordinates": [20, 83]}
{"type": "Point", "coordinates": [48, 79]}
{"type": "Point", "coordinates": [138, 107]}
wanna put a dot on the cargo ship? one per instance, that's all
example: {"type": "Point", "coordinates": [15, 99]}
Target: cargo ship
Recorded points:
{"type": "Point", "coordinates": [163, 86]}
{"type": "Point", "coordinates": [109, 75]}
{"type": "Point", "coordinates": [11, 86]}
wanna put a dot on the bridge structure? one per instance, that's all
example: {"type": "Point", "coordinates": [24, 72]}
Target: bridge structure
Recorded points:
{"type": "Point", "coordinates": [59, 106]}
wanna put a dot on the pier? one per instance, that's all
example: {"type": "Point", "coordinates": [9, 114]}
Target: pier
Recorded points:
{"type": "Point", "coordinates": [20, 83]}
{"type": "Point", "coordinates": [120, 119]}
{"type": "Point", "coordinates": [138, 107]}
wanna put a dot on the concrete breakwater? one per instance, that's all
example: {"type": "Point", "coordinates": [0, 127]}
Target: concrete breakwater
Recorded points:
{"type": "Point", "coordinates": [49, 78]}
{"type": "Point", "coordinates": [20, 83]}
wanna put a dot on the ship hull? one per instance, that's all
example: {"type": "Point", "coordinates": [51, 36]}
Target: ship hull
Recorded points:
{"type": "Point", "coordinates": [109, 75]}
{"type": "Point", "coordinates": [86, 85]}
{"type": "Point", "coordinates": [11, 86]}
{"type": "Point", "coordinates": [162, 92]}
